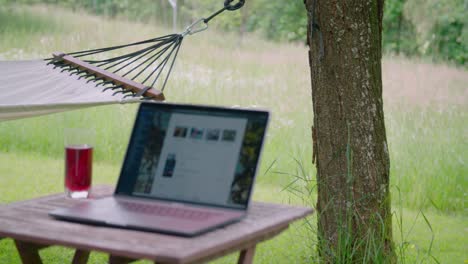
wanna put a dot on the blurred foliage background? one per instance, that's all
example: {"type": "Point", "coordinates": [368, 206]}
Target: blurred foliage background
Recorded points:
{"type": "Point", "coordinates": [431, 29]}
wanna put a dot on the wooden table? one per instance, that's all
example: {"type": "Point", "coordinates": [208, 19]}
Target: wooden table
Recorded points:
{"type": "Point", "coordinates": [32, 229]}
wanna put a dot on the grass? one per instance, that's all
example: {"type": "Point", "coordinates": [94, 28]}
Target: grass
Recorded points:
{"type": "Point", "coordinates": [425, 111]}
{"type": "Point", "coordinates": [428, 155]}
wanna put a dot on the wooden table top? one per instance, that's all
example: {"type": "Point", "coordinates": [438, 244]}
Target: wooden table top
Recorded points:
{"type": "Point", "coordinates": [29, 221]}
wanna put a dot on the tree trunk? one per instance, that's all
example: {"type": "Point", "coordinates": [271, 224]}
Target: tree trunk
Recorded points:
{"type": "Point", "coordinates": [350, 145]}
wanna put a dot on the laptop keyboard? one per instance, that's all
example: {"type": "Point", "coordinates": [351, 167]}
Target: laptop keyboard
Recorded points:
{"type": "Point", "coordinates": [161, 210]}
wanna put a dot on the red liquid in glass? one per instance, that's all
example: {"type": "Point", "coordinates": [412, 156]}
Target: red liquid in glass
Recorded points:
{"type": "Point", "coordinates": [78, 167]}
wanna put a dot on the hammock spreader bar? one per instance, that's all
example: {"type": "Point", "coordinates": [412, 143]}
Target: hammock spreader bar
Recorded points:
{"type": "Point", "coordinates": [109, 78]}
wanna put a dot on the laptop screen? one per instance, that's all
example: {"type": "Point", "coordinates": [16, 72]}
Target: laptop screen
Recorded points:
{"type": "Point", "coordinates": [194, 154]}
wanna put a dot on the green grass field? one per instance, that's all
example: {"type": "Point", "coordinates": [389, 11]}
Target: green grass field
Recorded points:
{"type": "Point", "coordinates": [425, 111]}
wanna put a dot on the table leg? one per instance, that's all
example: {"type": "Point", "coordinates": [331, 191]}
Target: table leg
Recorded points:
{"type": "Point", "coordinates": [246, 256]}
{"type": "Point", "coordinates": [80, 257]}
{"type": "Point", "coordinates": [29, 252]}
{"type": "Point", "coordinates": [119, 260]}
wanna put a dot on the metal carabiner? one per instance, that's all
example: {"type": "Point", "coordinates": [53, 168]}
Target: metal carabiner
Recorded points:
{"type": "Point", "coordinates": [192, 29]}
{"type": "Point", "coordinates": [231, 7]}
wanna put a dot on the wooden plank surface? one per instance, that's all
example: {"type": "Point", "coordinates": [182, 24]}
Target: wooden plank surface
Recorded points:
{"type": "Point", "coordinates": [28, 221]}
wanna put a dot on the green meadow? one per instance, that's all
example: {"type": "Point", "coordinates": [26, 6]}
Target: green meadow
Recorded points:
{"type": "Point", "coordinates": [425, 113]}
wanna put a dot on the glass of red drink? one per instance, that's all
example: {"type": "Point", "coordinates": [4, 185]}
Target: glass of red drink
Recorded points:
{"type": "Point", "coordinates": [78, 162]}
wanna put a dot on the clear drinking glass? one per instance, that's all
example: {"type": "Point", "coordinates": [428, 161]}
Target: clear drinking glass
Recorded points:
{"type": "Point", "coordinates": [79, 144]}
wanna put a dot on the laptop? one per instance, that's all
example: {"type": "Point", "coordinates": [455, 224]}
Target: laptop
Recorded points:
{"type": "Point", "coordinates": [188, 169]}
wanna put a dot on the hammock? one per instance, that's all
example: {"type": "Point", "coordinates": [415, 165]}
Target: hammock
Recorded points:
{"type": "Point", "coordinates": [30, 88]}
{"type": "Point", "coordinates": [70, 81]}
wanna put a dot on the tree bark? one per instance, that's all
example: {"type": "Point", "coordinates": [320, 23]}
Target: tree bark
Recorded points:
{"type": "Point", "coordinates": [350, 145]}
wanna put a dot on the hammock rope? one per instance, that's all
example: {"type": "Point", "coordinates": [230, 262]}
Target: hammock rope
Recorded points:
{"type": "Point", "coordinates": [113, 75]}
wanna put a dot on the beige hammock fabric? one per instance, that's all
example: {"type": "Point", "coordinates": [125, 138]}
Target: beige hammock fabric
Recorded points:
{"type": "Point", "coordinates": [31, 88]}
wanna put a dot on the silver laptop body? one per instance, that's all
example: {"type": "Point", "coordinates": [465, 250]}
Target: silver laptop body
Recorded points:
{"type": "Point", "coordinates": [188, 170]}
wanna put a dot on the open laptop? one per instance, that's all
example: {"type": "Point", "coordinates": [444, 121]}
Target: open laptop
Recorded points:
{"type": "Point", "coordinates": [188, 169]}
